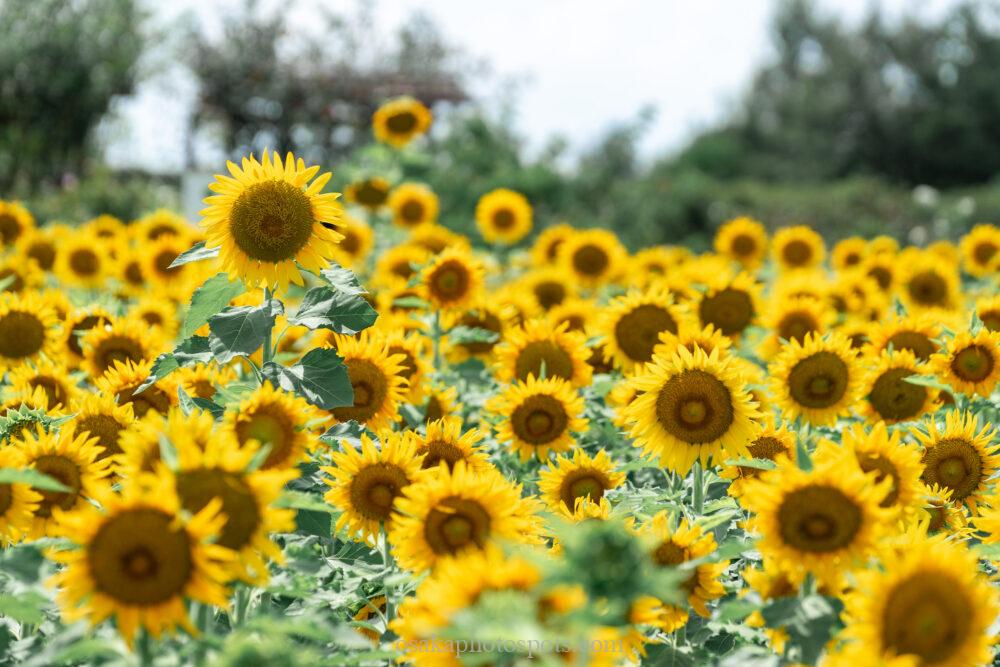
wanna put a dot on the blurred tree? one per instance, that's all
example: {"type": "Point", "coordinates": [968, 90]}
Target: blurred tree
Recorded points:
{"type": "Point", "coordinates": [313, 92]}
{"type": "Point", "coordinates": [62, 63]}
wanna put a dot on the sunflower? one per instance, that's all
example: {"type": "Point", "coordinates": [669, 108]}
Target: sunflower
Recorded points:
{"type": "Point", "coordinates": [52, 377]}
{"type": "Point", "coordinates": [632, 326]}
{"type": "Point", "coordinates": [436, 238]}
{"type": "Point", "coordinates": [414, 365]}
{"type": "Point", "coordinates": [396, 266]}
{"type": "Point", "coordinates": [959, 457]}
{"type": "Point", "coordinates": [123, 340]}
{"type": "Point", "coordinates": [370, 193]}
{"type": "Point", "coordinates": [848, 253]}
{"type": "Point", "coordinates": [364, 484]}
{"type": "Point", "coordinates": [19, 274]}
{"type": "Point", "coordinates": [371, 610]}
{"type": "Point", "coordinates": [400, 120]}
{"type": "Point", "coordinates": [569, 479]}
{"type": "Point", "coordinates": [156, 258]}
{"type": "Point", "coordinates": [217, 469]}
{"type": "Point", "coordinates": [444, 441]}
{"type": "Point", "coordinates": [970, 364]}
{"type": "Point", "coordinates": [730, 304]}
{"type": "Point", "coordinates": [772, 443]}
{"type": "Point", "coordinates": [25, 413]}
{"type": "Point", "coordinates": [940, 515]}
{"type": "Point", "coordinates": [77, 323]}
{"type": "Point", "coordinates": [793, 319]}
{"type": "Point", "coordinates": [549, 287]}
{"type": "Point", "coordinates": [981, 250]}
{"type": "Point", "coordinates": [538, 416]}
{"type": "Point", "coordinates": [440, 402]}
{"type": "Point", "coordinates": [928, 604]}
{"type": "Point", "coordinates": [98, 416]}
{"type": "Point", "coordinates": [122, 380]}
{"type": "Point", "coordinates": [534, 346]}
{"type": "Point", "coordinates": [130, 270]}
{"type": "Point", "coordinates": [453, 279]}
{"type": "Point", "coordinates": [818, 380]}
{"type": "Point", "coordinates": [71, 458]}
{"type": "Point", "coordinates": [915, 333]}
{"type": "Point", "coordinates": [545, 250]}
{"type": "Point", "coordinates": [672, 547]}
{"type": "Point", "coordinates": [889, 397]}
{"type": "Point", "coordinates": [988, 310]}
{"type": "Point", "coordinates": [376, 378]}
{"type": "Point", "coordinates": [619, 398]}
{"type": "Point", "coordinates": [797, 248]}
{"type": "Point", "coordinates": [41, 245]}
{"type": "Point", "coordinates": [770, 584]}
{"type": "Point", "coordinates": [927, 283]}
{"type": "Point", "coordinates": [138, 558]}
{"type": "Point", "coordinates": [275, 419]}
{"type": "Point", "coordinates": [453, 512]}
{"type": "Point", "coordinates": [15, 221]}
{"type": "Point", "coordinates": [268, 217]}
{"type": "Point", "coordinates": [81, 262]}
{"type": "Point", "coordinates": [488, 314]}
{"type": "Point", "coordinates": [818, 522]}
{"type": "Point", "coordinates": [29, 330]}
{"type": "Point", "coordinates": [857, 294]}
{"type": "Point", "coordinates": [592, 256]}
{"type": "Point", "coordinates": [692, 336]}
{"type": "Point", "coordinates": [577, 314]}
{"type": "Point", "coordinates": [140, 442]}
{"type": "Point", "coordinates": [357, 242]}
{"type": "Point", "coordinates": [503, 216]}
{"type": "Point", "coordinates": [743, 240]}
{"type": "Point", "coordinates": [691, 407]}
{"type": "Point", "coordinates": [18, 502]}
{"type": "Point", "coordinates": [413, 205]}
{"type": "Point", "coordinates": [158, 224]}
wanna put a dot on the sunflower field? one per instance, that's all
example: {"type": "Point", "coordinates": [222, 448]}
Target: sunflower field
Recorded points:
{"type": "Point", "coordinates": [318, 428]}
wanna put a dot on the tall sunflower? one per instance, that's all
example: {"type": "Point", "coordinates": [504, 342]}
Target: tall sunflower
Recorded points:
{"type": "Point", "coordinates": [818, 380]}
{"type": "Point", "coordinates": [365, 483]}
{"type": "Point", "coordinates": [538, 416]}
{"type": "Point", "coordinates": [123, 379]}
{"type": "Point", "coordinates": [743, 240]}
{"type": "Point", "coordinates": [453, 279]}
{"type": "Point", "coordinates": [452, 512]}
{"type": "Point", "coordinates": [797, 247]}
{"type": "Point", "coordinates": [18, 502]}
{"type": "Point", "coordinates": [413, 205]}
{"type": "Point", "coordinates": [123, 340]}
{"type": "Point", "coordinates": [592, 256]}
{"type": "Point", "coordinates": [981, 250]}
{"type": "Point", "coordinates": [960, 456]}
{"type": "Point", "coordinates": [691, 407]}
{"type": "Point", "coordinates": [375, 375]}
{"type": "Point", "coordinates": [567, 479]}
{"type": "Point", "coordinates": [535, 345]}
{"type": "Point", "coordinates": [503, 216]}
{"type": "Point", "coordinates": [82, 262]}
{"type": "Point", "coordinates": [928, 284]}
{"type": "Point", "coordinates": [444, 441]}
{"type": "Point", "coordinates": [818, 522]}
{"type": "Point", "coordinates": [29, 330]}
{"type": "Point", "coordinates": [970, 364]}
{"type": "Point", "coordinates": [632, 326]}
{"type": "Point", "coordinates": [730, 304]}
{"type": "Point", "coordinates": [889, 396]}
{"type": "Point", "coordinates": [268, 217]}
{"type": "Point", "coordinates": [276, 419]}
{"type": "Point", "coordinates": [400, 120]}
{"type": "Point", "coordinates": [138, 559]}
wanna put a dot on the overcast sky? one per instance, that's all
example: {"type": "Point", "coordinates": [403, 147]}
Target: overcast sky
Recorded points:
{"type": "Point", "coordinates": [583, 64]}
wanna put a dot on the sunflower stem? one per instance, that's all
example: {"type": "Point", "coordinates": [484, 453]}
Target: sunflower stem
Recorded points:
{"type": "Point", "coordinates": [436, 335]}
{"type": "Point", "coordinates": [242, 601]}
{"type": "Point", "coordinates": [268, 350]}
{"type": "Point", "coordinates": [388, 563]}
{"type": "Point", "coordinates": [699, 489]}
{"type": "Point", "coordinates": [144, 648]}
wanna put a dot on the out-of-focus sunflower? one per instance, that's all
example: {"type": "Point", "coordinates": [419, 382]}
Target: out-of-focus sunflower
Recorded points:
{"type": "Point", "coordinates": [538, 416]}
{"type": "Point", "coordinates": [550, 287]}
{"type": "Point", "coordinates": [569, 479]}
{"type": "Point", "coordinates": [743, 240]}
{"type": "Point", "coordinates": [276, 419]}
{"type": "Point", "coordinates": [453, 512]}
{"type": "Point", "coordinates": [77, 323]}
{"type": "Point", "coordinates": [72, 459]}
{"type": "Point", "coordinates": [960, 456]}
{"type": "Point", "coordinates": [18, 502]}
{"type": "Point", "coordinates": [52, 377]}
{"type": "Point", "coordinates": [357, 243]}
{"type": "Point", "coordinates": [413, 205]}
{"type": "Point", "coordinates": [122, 380]}
{"type": "Point", "coordinates": [370, 193]}
{"type": "Point", "coordinates": [691, 407]}
{"type": "Point", "coordinates": [487, 314]}
{"type": "Point", "coordinates": [29, 330]}
{"type": "Point", "coordinates": [928, 604]}
{"type": "Point", "coordinates": [981, 250]}
{"type": "Point", "coordinates": [577, 314]}
{"type": "Point", "coordinates": [659, 265]}
{"type": "Point", "coordinates": [818, 380]}
{"type": "Point", "coordinates": [857, 294]}
{"type": "Point", "coordinates": [818, 522]}
{"type": "Point", "coordinates": [138, 559]}
{"type": "Point", "coordinates": [15, 221]}
{"type": "Point", "coordinates": [400, 120]}
{"type": "Point", "coordinates": [988, 310]}
{"type": "Point", "coordinates": [528, 349]}
{"type": "Point", "coordinates": [203, 380]}
{"type": "Point", "coordinates": [444, 441]}
{"type": "Point", "coordinates": [730, 304]}
{"type": "Point", "coordinates": [915, 333]}
{"type": "Point", "coordinates": [130, 270]}
{"type": "Point", "coordinates": [928, 284]}
{"type": "Point", "coordinates": [396, 266]}
{"type": "Point", "coordinates": [217, 469]}
{"type": "Point", "coordinates": [414, 365]}
{"type": "Point", "coordinates": [437, 238]}
{"type": "Point", "coordinates": [161, 222]}
{"type": "Point", "coordinates": [41, 245]}
{"type": "Point", "coordinates": [81, 262]}
{"type": "Point", "coordinates": [545, 250]}
{"type": "Point", "coordinates": [453, 279]}
{"type": "Point", "coordinates": [673, 546]}
{"type": "Point", "coordinates": [969, 363]}
{"type": "Point", "coordinates": [160, 315]}
{"type": "Point", "coordinates": [365, 483]}
{"type": "Point", "coordinates": [156, 258]}
{"type": "Point", "coordinates": [20, 274]}
{"type": "Point", "coordinates": [793, 320]}
{"type": "Point", "coordinates": [123, 340]}
{"type": "Point", "coordinates": [99, 416]}
{"type": "Point", "coordinates": [105, 227]}
{"type": "Point", "coordinates": [884, 270]}
{"type": "Point", "coordinates": [883, 245]}
{"type": "Point", "coordinates": [503, 216]}
{"type": "Point", "coordinates": [889, 397]}
{"type": "Point", "coordinates": [267, 217]}
{"type": "Point", "coordinates": [440, 402]}
{"type": "Point", "coordinates": [848, 253]}
{"type": "Point", "coordinates": [774, 442]}
{"type": "Point", "coordinates": [25, 413]}
{"type": "Point", "coordinates": [140, 441]}
{"type": "Point", "coordinates": [633, 324]}
{"type": "Point", "coordinates": [376, 377]}
{"type": "Point", "coordinates": [692, 336]}
{"type": "Point", "coordinates": [939, 514]}
{"type": "Point", "coordinates": [797, 247]}
{"type": "Point", "coordinates": [592, 256]}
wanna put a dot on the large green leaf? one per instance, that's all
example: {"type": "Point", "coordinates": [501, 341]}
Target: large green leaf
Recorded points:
{"type": "Point", "coordinates": [195, 253]}
{"type": "Point", "coordinates": [320, 378]}
{"type": "Point", "coordinates": [214, 295]}
{"type": "Point", "coordinates": [194, 350]}
{"type": "Point", "coordinates": [343, 280]}
{"type": "Point", "coordinates": [322, 308]}
{"type": "Point", "coordinates": [31, 477]}
{"type": "Point", "coordinates": [241, 330]}
{"type": "Point", "coordinates": [23, 608]}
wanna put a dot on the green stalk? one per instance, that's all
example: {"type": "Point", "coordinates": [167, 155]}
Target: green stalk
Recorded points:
{"type": "Point", "coordinates": [388, 562]}
{"type": "Point", "coordinates": [436, 335]}
{"type": "Point", "coordinates": [242, 602]}
{"type": "Point", "coordinates": [144, 648]}
{"type": "Point", "coordinates": [699, 489]}
{"type": "Point", "coordinates": [268, 350]}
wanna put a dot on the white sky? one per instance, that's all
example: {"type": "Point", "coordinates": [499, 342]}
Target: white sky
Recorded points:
{"type": "Point", "coordinates": [583, 65]}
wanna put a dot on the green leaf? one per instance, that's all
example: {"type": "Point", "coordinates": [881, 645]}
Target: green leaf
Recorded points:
{"type": "Point", "coordinates": [927, 381]}
{"type": "Point", "coordinates": [163, 365]}
{"type": "Point", "coordinates": [322, 308]}
{"type": "Point", "coordinates": [412, 302]}
{"type": "Point", "coordinates": [23, 608]}
{"type": "Point", "coordinates": [343, 280]}
{"type": "Point", "coordinates": [802, 455]}
{"type": "Point", "coordinates": [759, 464]}
{"type": "Point", "coordinates": [214, 295]}
{"type": "Point", "coordinates": [31, 477]}
{"type": "Point", "coordinates": [192, 351]}
{"type": "Point", "coordinates": [736, 610]}
{"type": "Point", "coordinates": [320, 378]}
{"type": "Point", "coordinates": [195, 253]}
{"type": "Point", "coordinates": [299, 500]}
{"type": "Point", "coordinates": [313, 523]}
{"type": "Point", "coordinates": [463, 335]}
{"type": "Point", "coordinates": [241, 330]}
